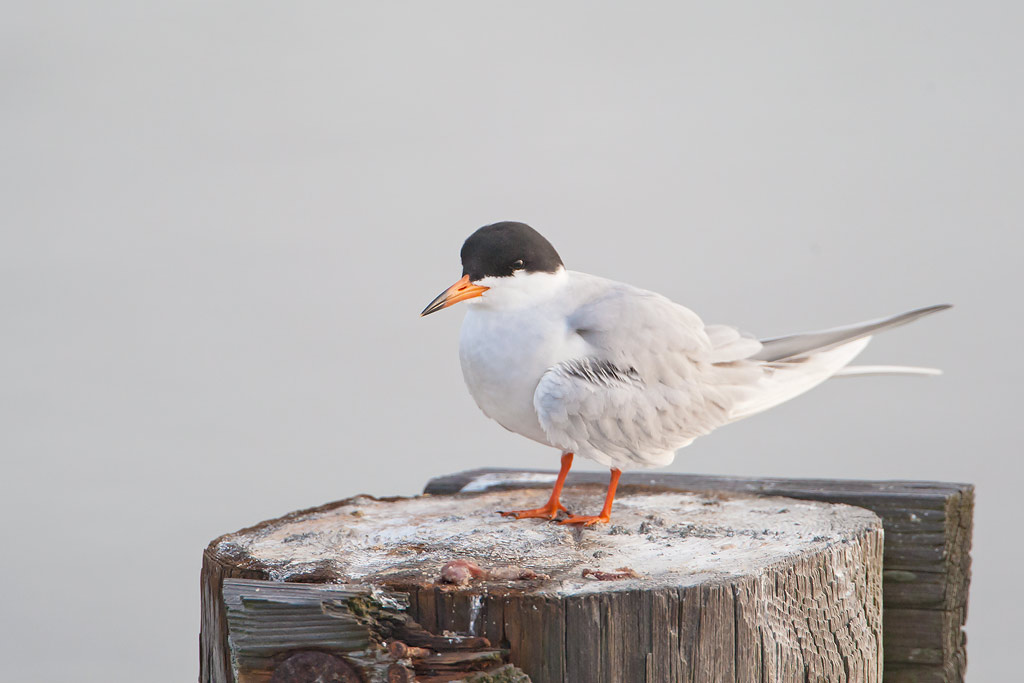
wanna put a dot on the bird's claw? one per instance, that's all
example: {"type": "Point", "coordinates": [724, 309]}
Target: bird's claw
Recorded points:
{"type": "Point", "coordinates": [546, 512]}
{"type": "Point", "coordinates": [585, 520]}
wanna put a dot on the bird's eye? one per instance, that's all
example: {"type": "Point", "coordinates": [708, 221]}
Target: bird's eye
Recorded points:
{"type": "Point", "coordinates": [518, 265]}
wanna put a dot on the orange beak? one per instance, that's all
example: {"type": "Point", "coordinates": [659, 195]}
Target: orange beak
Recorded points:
{"type": "Point", "coordinates": [460, 291]}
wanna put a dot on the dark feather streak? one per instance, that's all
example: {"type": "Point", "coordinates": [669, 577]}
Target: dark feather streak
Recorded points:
{"type": "Point", "coordinates": [599, 372]}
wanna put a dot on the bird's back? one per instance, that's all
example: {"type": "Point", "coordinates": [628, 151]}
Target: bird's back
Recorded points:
{"type": "Point", "coordinates": [626, 377]}
{"type": "Point", "coordinates": [654, 378]}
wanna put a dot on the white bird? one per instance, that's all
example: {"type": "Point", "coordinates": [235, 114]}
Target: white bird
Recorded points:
{"type": "Point", "coordinates": [615, 373]}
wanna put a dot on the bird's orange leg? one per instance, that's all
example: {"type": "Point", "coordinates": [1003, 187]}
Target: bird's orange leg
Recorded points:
{"type": "Point", "coordinates": [606, 511]}
{"type": "Point", "coordinates": [550, 510]}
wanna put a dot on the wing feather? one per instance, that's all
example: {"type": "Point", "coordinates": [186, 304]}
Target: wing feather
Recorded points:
{"type": "Point", "coordinates": [804, 343]}
{"type": "Point", "coordinates": [650, 384]}
{"type": "Point", "coordinates": [655, 377]}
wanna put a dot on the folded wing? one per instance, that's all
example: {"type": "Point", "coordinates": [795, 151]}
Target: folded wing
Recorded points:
{"type": "Point", "coordinates": [656, 377]}
{"type": "Point", "coordinates": [654, 380]}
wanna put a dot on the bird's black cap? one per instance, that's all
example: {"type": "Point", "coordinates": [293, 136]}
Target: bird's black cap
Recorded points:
{"type": "Point", "coordinates": [500, 249]}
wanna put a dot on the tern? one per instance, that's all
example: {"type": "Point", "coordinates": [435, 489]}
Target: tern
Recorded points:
{"type": "Point", "coordinates": [615, 373]}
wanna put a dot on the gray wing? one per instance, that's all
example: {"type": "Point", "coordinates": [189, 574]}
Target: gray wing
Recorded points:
{"type": "Point", "coordinates": [794, 345]}
{"type": "Point", "coordinates": [656, 379]}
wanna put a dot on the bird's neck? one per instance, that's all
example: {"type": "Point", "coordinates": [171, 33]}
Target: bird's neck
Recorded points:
{"type": "Point", "coordinates": [520, 291]}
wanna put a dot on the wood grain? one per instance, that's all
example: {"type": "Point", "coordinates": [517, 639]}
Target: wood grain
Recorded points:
{"type": "Point", "coordinates": [727, 587]}
{"type": "Point", "coordinates": [928, 527]}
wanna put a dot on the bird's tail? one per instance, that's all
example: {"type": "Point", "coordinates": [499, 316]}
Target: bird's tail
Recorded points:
{"type": "Point", "coordinates": [861, 370]}
{"type": "Point", "coordinates": [786, 379]}
{"type": "Point", "coordinates": [797, 363]}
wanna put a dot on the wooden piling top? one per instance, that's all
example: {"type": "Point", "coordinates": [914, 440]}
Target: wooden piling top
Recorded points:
{"type": "Point", "coordinates": [667, 538]}
{"type": "Point", "coordinates": [681, 586]}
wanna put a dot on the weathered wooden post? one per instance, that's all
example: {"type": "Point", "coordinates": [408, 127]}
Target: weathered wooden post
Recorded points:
{"type": "Point", "coordinates": [682, 586]}
{"type": "Point", "coordinates": [926, 560]}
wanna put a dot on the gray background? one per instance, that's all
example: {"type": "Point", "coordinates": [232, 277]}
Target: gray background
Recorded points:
{"type": "Point", "coordinates": [220, 221]}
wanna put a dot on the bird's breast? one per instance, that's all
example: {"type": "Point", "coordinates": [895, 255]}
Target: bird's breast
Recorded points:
{"type": "Point", "coordinates": [504, 354]}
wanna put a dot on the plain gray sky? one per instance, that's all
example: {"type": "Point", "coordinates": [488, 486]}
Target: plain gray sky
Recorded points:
{"type": "Point", "coordinates": [221, 220]}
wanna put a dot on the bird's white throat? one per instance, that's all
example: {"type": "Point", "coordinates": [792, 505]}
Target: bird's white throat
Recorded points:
{"type": "Point", "coordinates": [520, 290]}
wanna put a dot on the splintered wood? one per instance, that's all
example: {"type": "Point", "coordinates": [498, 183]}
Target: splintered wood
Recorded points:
{"type": "Point", "coordinates": [679, 587]}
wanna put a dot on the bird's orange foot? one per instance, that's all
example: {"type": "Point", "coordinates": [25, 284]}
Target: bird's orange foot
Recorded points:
{"type": "Point", "coordinates": [586, 520]}
{"type": "Point", "coordinates": [549, 511]}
